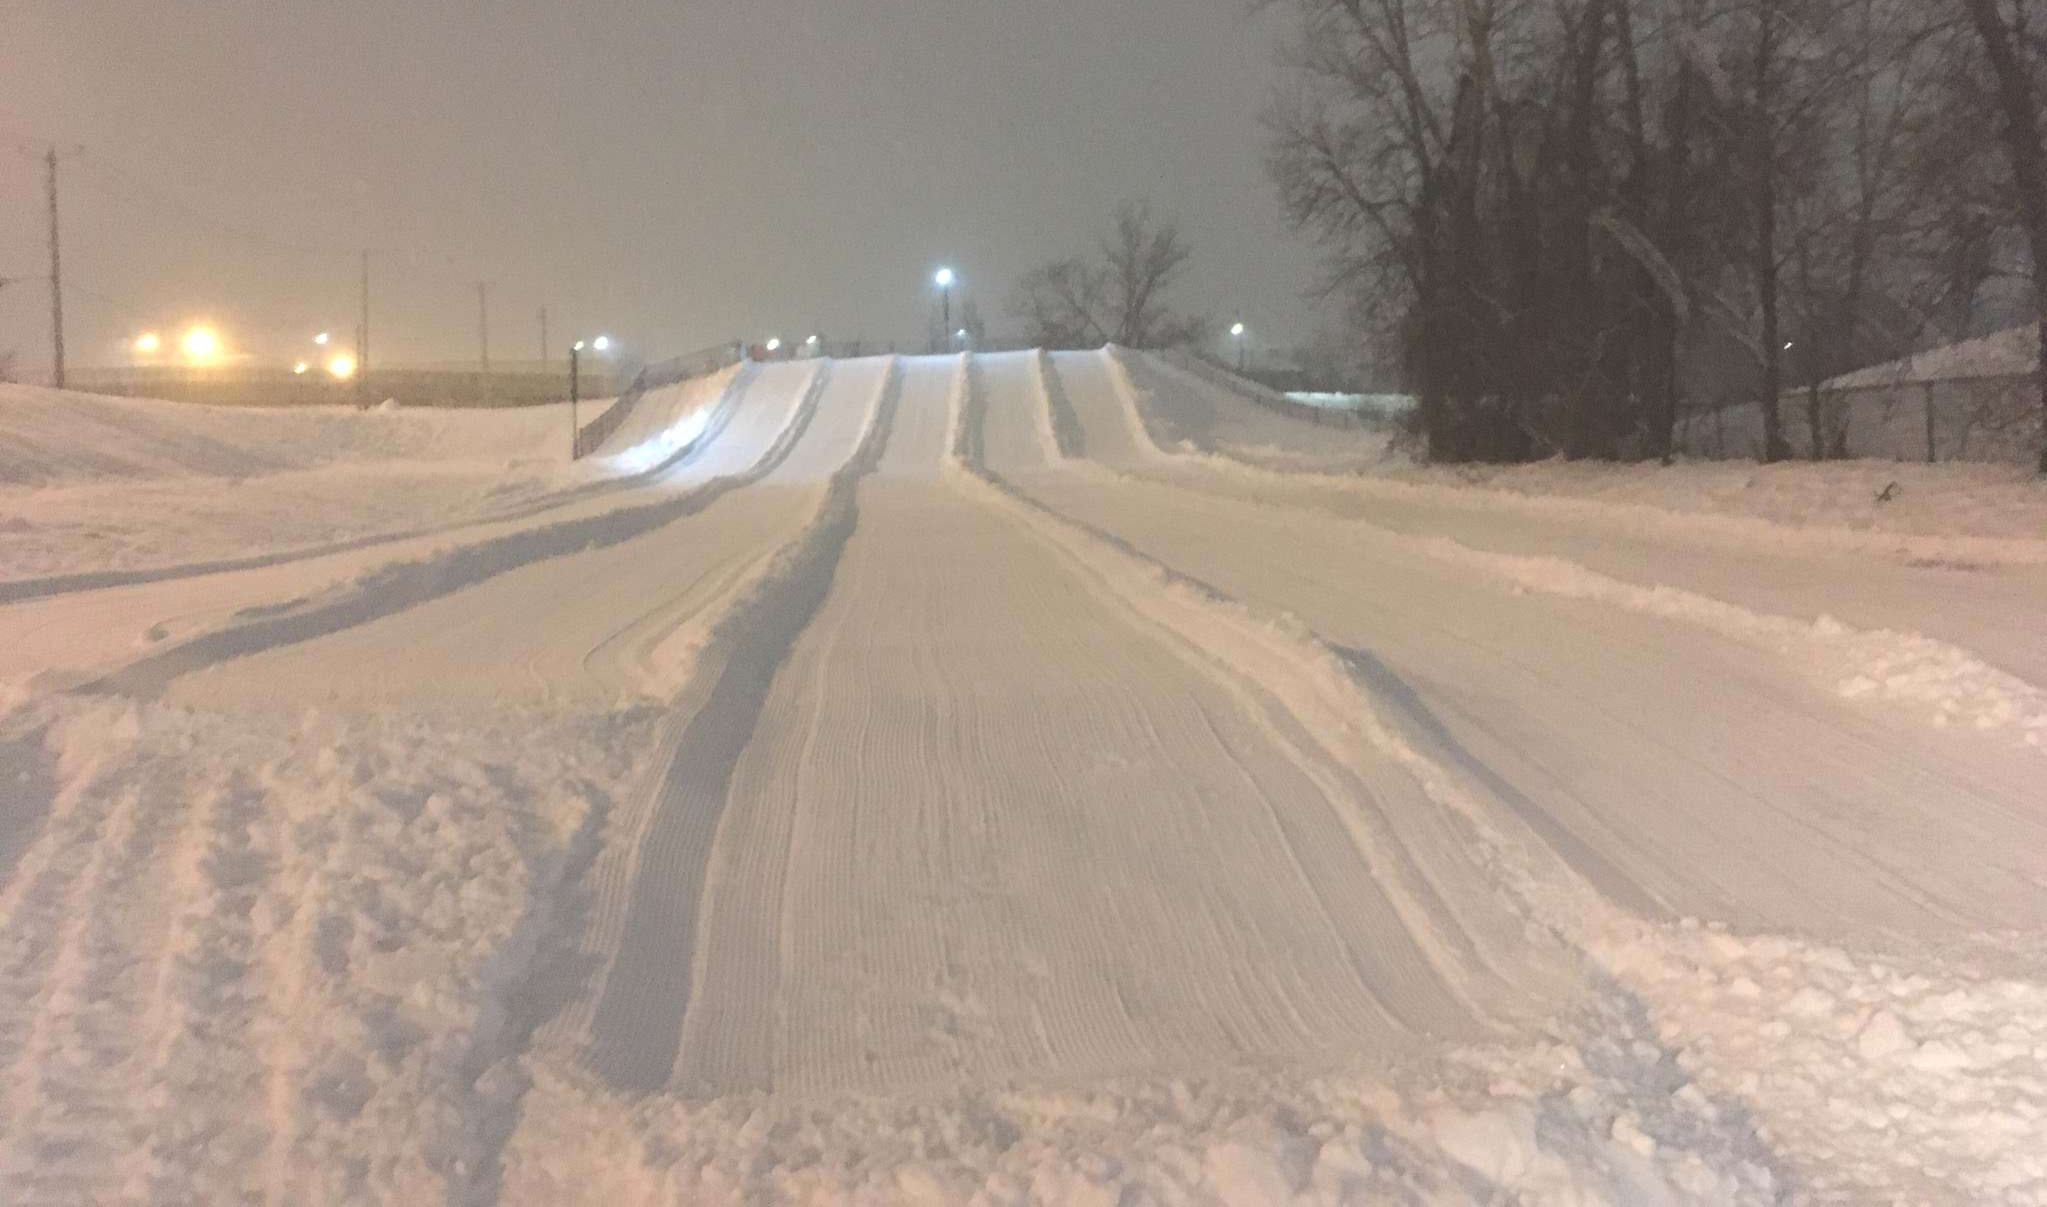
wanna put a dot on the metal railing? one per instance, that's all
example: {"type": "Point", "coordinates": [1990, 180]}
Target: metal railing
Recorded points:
{"type": "Point", "coordinates": [1264, 396]}
{"type": "Point", "coordinates": [673, 371]}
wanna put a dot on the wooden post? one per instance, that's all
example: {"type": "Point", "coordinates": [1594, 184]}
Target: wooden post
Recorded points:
{"type": "Point", "coordinates": [1932, 447]}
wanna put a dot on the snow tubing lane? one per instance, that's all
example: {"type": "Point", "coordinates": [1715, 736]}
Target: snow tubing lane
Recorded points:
{"type": "Point", "coordinates": [1380, 684]}
{"type": "Point", "coordinates": [409, 584]}
{"type": "Point", "coordinates": [1066, 429]}
{"type": "Point", "coordinates": [636, 1032]}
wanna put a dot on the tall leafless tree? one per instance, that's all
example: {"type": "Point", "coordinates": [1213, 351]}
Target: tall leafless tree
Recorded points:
{"type": "Point", "coordinates": [2015, 57]}
{"type": "Point", "coordinates": [1575, 213]}
{"type": "Point", "coordinates": [1119, 297]}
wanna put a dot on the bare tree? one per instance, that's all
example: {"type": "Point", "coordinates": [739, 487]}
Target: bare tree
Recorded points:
{"type": "Point", "coordinates": [1119, 298]}
{"type": "Point", "coordinates": [2015, 57]}
{"type": "Point", "coordinates": [1574, 211]}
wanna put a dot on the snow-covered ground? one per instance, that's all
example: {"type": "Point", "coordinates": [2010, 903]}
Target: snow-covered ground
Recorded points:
{"type": "Point", "coordinates": [93, 484]}
{"type": "Point", "coordinates": [1008, 779]}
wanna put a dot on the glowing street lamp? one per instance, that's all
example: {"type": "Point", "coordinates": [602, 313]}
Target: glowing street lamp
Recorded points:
{"type": "Point", "coordinates": [774, 344]}
{"type": "Point", "coordinates": [341, 366]}
{"type": "Point", "coordinates": [299, 369]}
{"type": "Point", "coordinates": [1237, 333]}
{"type": "Point", "coordinates": [201, 345]}
{"type": "Point", "coordinates": [148, 344]}
{"type": "Point", "coordinates": [321, 339]}
{"type": "Point", "coordinates": [599, 344]}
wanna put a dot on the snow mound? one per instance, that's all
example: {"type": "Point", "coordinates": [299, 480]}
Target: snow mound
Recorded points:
{"type": "Point", "coordinates": [57, 437]}
{"type": "Point", "coordinates": [1953, 512]}
{"type": "Point", "coordinates": [1894, 1083]}
{"type": "Point", "coordinates": [1556, 1125]}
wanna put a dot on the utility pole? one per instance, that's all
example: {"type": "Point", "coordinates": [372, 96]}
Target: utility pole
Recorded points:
{"type": "Point", "coordinates": [483, 334]}
{"type": "Point", "coordinates": [362, 339]}
{"type": "Point", "coordinates": [543, 334]}
{"type": "Point", "coordinates": [56, 276]}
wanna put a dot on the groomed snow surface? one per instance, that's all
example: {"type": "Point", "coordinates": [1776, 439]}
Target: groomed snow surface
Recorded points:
{"type": "Point", "coordinates": [1004, 779]}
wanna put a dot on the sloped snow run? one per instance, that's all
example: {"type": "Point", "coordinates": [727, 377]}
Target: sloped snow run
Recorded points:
{"type": "Point", "coordinates": [1003, 779]}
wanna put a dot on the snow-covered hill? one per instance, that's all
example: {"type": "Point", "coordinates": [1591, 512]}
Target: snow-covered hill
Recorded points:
{"type": "Point", "coordinates": [1013, 779]}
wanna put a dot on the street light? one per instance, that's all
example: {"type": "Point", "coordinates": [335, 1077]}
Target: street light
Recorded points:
{"type": "Point", "coordinates": [774, 343]}
{"type": "Point", "coordinates": [599, 344]}
{"type": "Point", "coordinates": [945, 278]}
{"type": "Point", "coordinates": [299, 369]}
{"type": "Point", "coordinates": [961, 336]}
{"type": "Point", "coordinates": [148, 344]}
{"type": "Point", "coordinates": [341, 366]}
{"type": "Point", "coordinates": [201, 345]}
{"type": "Point", "coordinates": [1237, 333]}
{"type": "Point", "coordinates": [575, 388]}
{"type": "Point", "coordinates": [321, 339]}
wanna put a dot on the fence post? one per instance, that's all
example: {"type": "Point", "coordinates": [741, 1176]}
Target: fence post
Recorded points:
{"type": "Point", "coordinates": [1932, 449]}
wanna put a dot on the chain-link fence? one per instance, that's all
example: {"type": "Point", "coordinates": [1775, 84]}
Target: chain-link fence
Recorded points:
{"type": "Point", "coordinates": [508, 384]}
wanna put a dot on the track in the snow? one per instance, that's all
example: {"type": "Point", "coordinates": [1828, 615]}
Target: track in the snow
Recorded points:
{"type": "Point", "coordinates": [986, 736]}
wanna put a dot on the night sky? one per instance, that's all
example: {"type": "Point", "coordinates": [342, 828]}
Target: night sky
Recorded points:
{"type": "Point", "coordinates": [673, 173]}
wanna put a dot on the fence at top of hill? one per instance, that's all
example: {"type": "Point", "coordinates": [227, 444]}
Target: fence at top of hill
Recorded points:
{"type": "Point", "coordinates": [508, 384]}
{"type": "Point", "coordinates": [674, 370]}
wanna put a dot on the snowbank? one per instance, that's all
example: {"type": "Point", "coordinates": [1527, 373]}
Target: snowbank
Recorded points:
{"type": "Point", "coordinates": [92, 484]}
{"type": "Point", "coordinates": [1990, 513]}
{"type": "Point", "coordinates": [1554, 1125]}
{"type": "Point", "coordinates": [54, 437]}
{"type": "Point", "coordinates": [286, 956]}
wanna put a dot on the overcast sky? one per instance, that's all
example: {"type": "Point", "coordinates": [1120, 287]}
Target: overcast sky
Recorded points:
{"type": "Point", "coordinates": [676, 172]}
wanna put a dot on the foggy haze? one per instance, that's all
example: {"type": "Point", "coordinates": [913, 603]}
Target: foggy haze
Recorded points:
{"type": "Point", "coordinates": [675, 174]}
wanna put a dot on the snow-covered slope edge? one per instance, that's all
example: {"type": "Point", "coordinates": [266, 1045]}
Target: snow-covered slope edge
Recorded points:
{"type": "Point", "coordinates": [685, 666]}
{"type": "Point", "coordinates": [1937, 681]}
{"type": "Point", "coordinates": [403, 584]}
{"type": "Point", "coordinates": [1940, 683]}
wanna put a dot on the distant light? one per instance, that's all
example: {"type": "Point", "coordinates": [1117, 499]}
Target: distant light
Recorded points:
{"type": "Point", "coordinates": [944, 278]}
{"type": "Point", "coordinates": [601, 343]}
{"type": "Point", "coordinates": [321, 339]}
{"type": "Point", "coordinates": [148, 344]}
{"type": "Point", "coordinates": [812, 341]}
{"type": "Point", "coordinates": [774, 345]}
{"type": "Point", "coordinates": [960, 334]}
{"type": "Point", "coordinates": [341, 366]}
{"type": "Point", "coordinates": [1788, 345]}
{"type": "Point", "coordinates": [1237, 329]}
{"type": "Point", "coordinates": [577, 346]}
{"type": "Point", "coordinates": [201, 345]}
{"type": "Point", "coordinates": [300, 368]}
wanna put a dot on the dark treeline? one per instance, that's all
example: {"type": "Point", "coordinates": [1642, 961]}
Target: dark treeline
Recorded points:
{"type": "Point", "coordinates": [1575, 218]}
